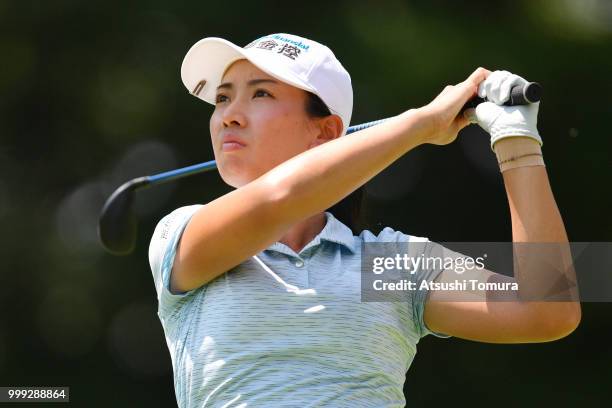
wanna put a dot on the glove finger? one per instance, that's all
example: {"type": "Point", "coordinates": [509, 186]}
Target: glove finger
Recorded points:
{"type": "Point", "coordinates": [487, 113]}
{"type": "Point", "coordinates": [507, 85]}
{"type": "Point", "coordinates": [485, 86]}
{"type": "Point", "coordinates": [481, 89]}
{"type": "Point", "coordinates": [494, 90]}
{"type": "Point", "coordinates": [491, 84]}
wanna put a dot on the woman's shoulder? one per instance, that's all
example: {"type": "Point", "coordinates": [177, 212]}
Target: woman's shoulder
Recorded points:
{"type": "Point", "coordinates": [186, 209]}
{"type": "Point", "coordinates": [178, 214]}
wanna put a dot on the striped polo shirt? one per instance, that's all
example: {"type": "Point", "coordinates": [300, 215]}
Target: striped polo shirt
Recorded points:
{"type": "Point", "coordinates": [287, 329]}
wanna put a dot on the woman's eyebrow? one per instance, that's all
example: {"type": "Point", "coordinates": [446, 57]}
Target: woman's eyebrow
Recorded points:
{"type": "Point", "coordinates": [252, 82]}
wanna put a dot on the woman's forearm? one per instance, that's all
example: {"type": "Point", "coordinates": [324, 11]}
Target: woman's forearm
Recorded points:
{"type": "Point", "coordinates": [534, 212]}
{"type": "Point", "coordinates": [543, 261]}
{"type": "Point", "coordinates": [322, 176]}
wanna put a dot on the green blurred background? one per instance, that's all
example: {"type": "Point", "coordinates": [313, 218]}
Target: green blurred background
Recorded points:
{"type": "Point", "coordinates": [91, 96]}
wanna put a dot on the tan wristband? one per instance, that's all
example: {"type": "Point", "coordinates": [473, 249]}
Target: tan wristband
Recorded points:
{"type": "Point", "coordinates": [518, 151]}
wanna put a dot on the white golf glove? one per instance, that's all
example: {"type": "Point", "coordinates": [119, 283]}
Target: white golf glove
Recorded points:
{"type": "Point", "coordinates": [504, 121]}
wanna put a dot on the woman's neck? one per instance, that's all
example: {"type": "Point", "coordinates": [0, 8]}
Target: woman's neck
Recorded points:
{"type": "Point", "coordinates": [299, 235]}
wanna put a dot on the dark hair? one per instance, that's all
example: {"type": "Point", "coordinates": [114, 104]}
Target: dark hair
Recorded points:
{"type": "Point", "coordinates": [348, 210]}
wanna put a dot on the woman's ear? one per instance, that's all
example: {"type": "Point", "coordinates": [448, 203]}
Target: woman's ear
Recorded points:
{"type": "Point", "coordinates": [329, 128]}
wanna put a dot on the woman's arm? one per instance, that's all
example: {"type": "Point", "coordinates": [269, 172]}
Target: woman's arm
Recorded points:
{"type": "Point", "coordinates": [543, 266]}
{"type": "Point", "coordinates": [492, 319]}
{"type": "Point", "coordinates": [232, 228]}
{"type": "Point", "coordinates": [319, 178]}
{"type": "Point", "coordinates": [536, 219]}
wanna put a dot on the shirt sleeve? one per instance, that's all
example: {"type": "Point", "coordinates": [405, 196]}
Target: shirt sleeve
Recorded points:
{"type": "Point", "coordinates": [425, 246]}
{"type": "Point", "coordinates": [416, 246]}
{"type": "Point", "coordinates": [162, 250]}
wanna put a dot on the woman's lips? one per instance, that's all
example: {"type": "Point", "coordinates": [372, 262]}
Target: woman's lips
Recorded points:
{"type": "Point", "coordinates": [230, 146]}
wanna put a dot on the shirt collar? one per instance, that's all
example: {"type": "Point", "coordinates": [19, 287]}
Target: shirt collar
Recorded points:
{"type": "Point", "coordinates": [334, 231]}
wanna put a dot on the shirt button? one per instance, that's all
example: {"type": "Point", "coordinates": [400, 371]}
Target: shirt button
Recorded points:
{"type": "Point", "coordinates": [299, 263]}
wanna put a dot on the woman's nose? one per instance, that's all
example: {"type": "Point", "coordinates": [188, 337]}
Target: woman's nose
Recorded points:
{"type": "Point", "coordinates": [233, 114]}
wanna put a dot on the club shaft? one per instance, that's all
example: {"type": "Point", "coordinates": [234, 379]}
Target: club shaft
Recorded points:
{"type": "Point", "coordinates": [182, 172]}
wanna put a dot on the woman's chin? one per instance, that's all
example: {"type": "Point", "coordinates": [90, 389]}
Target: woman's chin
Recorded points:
{"type": "Point", "coordinates": [235, 179]}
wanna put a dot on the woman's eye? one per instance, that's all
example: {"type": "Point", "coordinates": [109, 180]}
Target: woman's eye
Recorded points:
{"type": "Point", "coordinates": [261, 92]}
{"type": "Point", "coordinates": [220, 98]}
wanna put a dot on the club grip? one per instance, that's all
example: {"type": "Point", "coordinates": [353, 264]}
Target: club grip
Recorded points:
{"type": "Point", "coordinates": [531, 92]}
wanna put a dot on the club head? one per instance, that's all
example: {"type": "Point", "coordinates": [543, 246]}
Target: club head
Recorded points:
{"type": "Point", "coordinates": [117, 226]}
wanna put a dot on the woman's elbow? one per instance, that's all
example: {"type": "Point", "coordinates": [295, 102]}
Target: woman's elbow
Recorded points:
{"type": "Point", "coordinates": [563, 320]}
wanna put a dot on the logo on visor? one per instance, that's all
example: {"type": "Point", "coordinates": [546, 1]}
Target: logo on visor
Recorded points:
{"type": "Point", "coordinates": [291, 51]}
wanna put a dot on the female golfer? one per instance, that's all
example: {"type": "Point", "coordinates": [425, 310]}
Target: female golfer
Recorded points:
{"type": "Point", "coordinates": [260, 290]}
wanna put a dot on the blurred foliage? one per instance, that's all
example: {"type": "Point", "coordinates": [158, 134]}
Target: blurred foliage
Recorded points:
{"type": "Point", "coordinates": [92, 96]}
